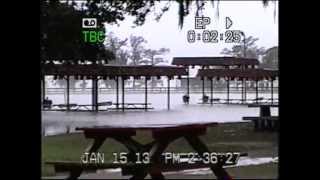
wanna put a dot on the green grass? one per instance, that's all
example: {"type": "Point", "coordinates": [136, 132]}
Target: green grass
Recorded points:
{"type": "Point", "coordinates": [238, 137]}
{"type": "Point", "coordinates": [263, 171]}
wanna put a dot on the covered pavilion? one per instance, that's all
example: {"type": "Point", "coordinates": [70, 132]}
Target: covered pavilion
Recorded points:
{"type": "Point", "coordinates": [96, 72]}
{"type": "Point", "coordinates": [241, 74]}
{"type": "Point", "coordinates": [215, 63]}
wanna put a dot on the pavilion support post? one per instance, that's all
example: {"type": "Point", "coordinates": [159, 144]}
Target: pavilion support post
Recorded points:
{"type": "Point", "coordinates": [271, 91]}
{"type": "Point", "coordinates": [211, 90]}
{"type": "Point", "coordinates": [43, 88]}
{"type": "Point", "coordinates": [228, 90]}
{"type": "Point", "coordinates": [68, 93]}
{"type": "Point", "coordinates": [117, 92]}
{"type": "Point", "coordinates": [146, 94]}
{"type": "Point", "coordinates": [168, 91]}
{"type": "Point", "coordinates": [122, 85]}
{"type": "Point", "coordinates": [95, 94]}
{"type": "Point", "coordinates": [188, 84]}
{"type": "Point", "coordinates": [245, 90]}
{"type": "Point", "coordinates": [257, 89]}
{"type": "Point", "coordinates": [242, 91]}
{"type": "Point", "coordinates": [203, 89]}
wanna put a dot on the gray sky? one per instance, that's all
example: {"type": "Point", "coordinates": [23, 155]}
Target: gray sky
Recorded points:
{"type": "Point", "coordinates": [248, 16]}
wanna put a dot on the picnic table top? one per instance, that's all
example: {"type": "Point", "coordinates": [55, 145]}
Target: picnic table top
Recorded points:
{"type": "Point", "coordinates": [71, 104]}
{"type": "Point", "coordinates": [74, 104]}
{"type": "Point", "coordinates": [273, 118]}
{"type": "Point", "coordinates": [176, 126]}
{"type": "Point", "coordinates": [264, 105]}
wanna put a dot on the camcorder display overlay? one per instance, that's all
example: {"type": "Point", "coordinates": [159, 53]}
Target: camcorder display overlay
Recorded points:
{"type": "Point", "coordinates": [159, 89]}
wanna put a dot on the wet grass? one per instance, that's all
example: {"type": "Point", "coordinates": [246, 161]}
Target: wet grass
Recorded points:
{"type": "Point", "coordinates": [263, 171]}
{"type": "Point", "coordinates": [235, 137]}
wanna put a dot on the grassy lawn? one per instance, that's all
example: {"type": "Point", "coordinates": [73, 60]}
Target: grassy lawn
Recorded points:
{"type": "Point", "coordinates": [236, 137]}
{"type": "Point", "coordinates": [263, 171]}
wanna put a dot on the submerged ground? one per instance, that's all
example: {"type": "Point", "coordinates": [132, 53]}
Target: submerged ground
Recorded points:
{"type": "Point", "coordinates": [232, 134]}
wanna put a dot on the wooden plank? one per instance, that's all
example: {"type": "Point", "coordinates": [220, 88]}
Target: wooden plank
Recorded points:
{"type": "Point", "coordinates": [179, 131]}
{"type": "Point", "coordinates": [130, 167]}
{"type": "Point", "coordinates": [99, 104]}
{"type": "Point", "coordinates": [65, 105]}
{"type": "Point", "coordinates": [66, 166]}
{"type": "Point", "coordinates": [264, 122]}
{"type": "Point", "coordinates": [74, 110]}
{"type": "Point", "coordinates": [159, 127]}
{"type": "Point", "coordinates": [264, 104]}
{"type": "Point", "coordinates": [96, 133]}
{"type": "Point", "coordinates": [224, 101]}
{"type": "Point", "coordinates": [127, 168]}
{"type": "Point", "coordinates": [132, 103]}
{"type": "Point", "coordinates": [132, 108]}
{"type": "Point", "coordinates": [200, 147]}
{"type": "Point", "coordinates": [253, 118]}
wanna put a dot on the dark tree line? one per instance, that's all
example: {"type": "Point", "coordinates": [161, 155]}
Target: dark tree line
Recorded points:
{"type": "Point", "coordinates": [133, 51]}
{"type": "Point", "coordinates": [249, 49]}
{"type": "Point", "coordinates": [60, 37]}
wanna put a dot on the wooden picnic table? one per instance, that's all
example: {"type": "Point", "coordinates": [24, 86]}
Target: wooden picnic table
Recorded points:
{"type": "Point", "coordinates": [133, 106]}
{"type": "Point", "coordinates": [265, 108]}
{"type": "Point", "coordinates": [132, 103]}
{"type": "Point", "coordinates": [260, 100]}
{"type": "Point", "coordinates": [163, 135]}
{"type": "Point", "coordinates": [76, 107]}
{"type": "Point", "coordinates": [64, 106]}
{"type": "Point", "coordinates": [264, 121]}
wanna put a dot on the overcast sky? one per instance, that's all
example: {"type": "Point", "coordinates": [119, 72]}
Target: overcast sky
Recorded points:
{"type": "Point", "coordinates": [248, 16]}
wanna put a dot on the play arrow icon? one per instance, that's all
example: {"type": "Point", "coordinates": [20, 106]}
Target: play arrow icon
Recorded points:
{"type": "Point", "coordinates": [228, 23]}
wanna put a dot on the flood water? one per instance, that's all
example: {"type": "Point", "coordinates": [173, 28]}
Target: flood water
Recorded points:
{"type": "Point", "coordinates": [54, 122]}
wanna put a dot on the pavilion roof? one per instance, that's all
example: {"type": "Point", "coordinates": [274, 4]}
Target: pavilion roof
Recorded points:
{"type": "Point", "coordinates": [112, 70]}
{"type": "Point", "coordinates": [213, 61]}
{"type": "Point", "coordinates": [256, 74]}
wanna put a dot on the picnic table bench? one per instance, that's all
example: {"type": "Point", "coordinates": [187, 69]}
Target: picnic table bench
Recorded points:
{"type": "Point", "coordinates": [64, 106]}
{"type": "Point", "coordinates": [89, 106]}
{"type": "Point", "coordinates": [131, 106]}
{"type": "Point", "coordinates": [129, 168]}
{"type": "Point", "coordinates": [47, 104]}
{"type": "Point", "coordinates": [163, 136]}
{"type": "Point", "coordinates": [234, 101]}
{"type": "Point", "coordinates": [76, 107]}
{"type": "Point", "coordinates": [264, 121]}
